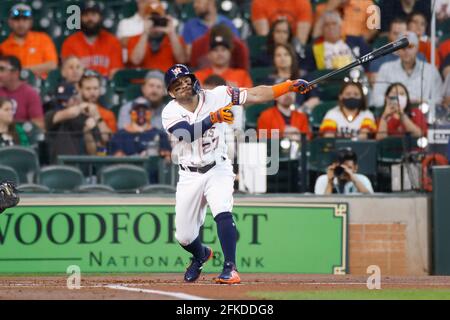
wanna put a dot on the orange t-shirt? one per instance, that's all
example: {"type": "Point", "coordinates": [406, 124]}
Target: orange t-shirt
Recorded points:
{"type": "Point", "coordinates": [163, 59]}
{"type": "Point", "coordinates": [234, 77]}
{"type": "Point", "coordinates": [103, 56]}
{"type": "Point", "coordinates": [293, 10]}
{"type": "Point", "coordinates": [109, 118]}
{"type": "Point", "coordinates": [273, 119]}
{"type": "Point", "coordinates": [38, 48]}
{"type": "Point", "coordinates": [425, 49]}
{"type": "Point", "coordinates": [354, 17]}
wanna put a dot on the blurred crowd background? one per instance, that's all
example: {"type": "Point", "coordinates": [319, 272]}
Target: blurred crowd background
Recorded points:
{"type": "Point", "coordinates": [82, 89]}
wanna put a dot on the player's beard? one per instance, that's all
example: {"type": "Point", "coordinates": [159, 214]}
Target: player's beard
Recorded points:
{"type": "Point", "coordinates": [91, 30]}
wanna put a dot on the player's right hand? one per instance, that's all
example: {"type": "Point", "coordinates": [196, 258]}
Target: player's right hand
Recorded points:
{"type": "Point", "coordinates": [223, 114]}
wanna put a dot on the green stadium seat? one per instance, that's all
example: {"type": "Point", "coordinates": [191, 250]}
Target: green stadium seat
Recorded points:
{"type": "Point", "coordinates": [380, 41]}
{"type": "Point", "coordinates": [95, 188]}
{"type": "Point", "coordinates": [60, 178]}
{"type": "Point", "coordinates": [252, 113]}
{"type": "Point", "coordinates": [50, 84]}
{"type": "Point", "coordinates": [257, 46]}
{"type": "Point", "coordinates": [123, 78]}
{"type": "Point", "coordinates": [321, 154]}
{"type": "Point", "coordinates": [318, 113]}
{"type": "Point", "coordinates": [31, 79]}
{"type": "Point", "coordinates": [390, 150]}
{"type": "Point", "coordinates": [158, 189]}
{"type": "Point", "coordinates": [124, 177]}
{"type": "Point", "coordinates": [32, 188]}
{"type": "Point", "coordinates": [33, 132]}
{"type": "Point", "coordinates": [260, 74]}
{"type": "Point", "coordinates": [24, 160]}
{"type": "Point", "coordinates": [131, 92]}
{"type": "Point", "coordinates": [9, 174]}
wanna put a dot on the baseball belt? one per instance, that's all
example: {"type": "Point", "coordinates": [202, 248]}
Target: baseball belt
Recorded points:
{"type": "Point", "coordinates": [203, 169]}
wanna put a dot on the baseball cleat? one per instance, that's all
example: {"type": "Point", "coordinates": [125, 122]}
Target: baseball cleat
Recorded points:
{"type": "Point", "coordinates": [195, 268]}
{"type": "Point", "coordinates": [229, 274]}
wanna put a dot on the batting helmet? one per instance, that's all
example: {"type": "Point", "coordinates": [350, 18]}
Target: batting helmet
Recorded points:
{"type": "Point", "coordinates": [180, 70]}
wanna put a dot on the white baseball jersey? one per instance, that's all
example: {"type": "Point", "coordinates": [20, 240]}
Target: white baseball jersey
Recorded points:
{"type": "Point", "coordinates": [212, 145]}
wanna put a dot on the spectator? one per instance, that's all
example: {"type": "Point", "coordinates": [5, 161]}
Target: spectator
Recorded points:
{"type": "Point", "coordinates": [10, 132]}
{"type": "Point", "coordinates": [391, 9]}
{"type": "Point", "coordinates": [444, 55]}
{"type": "Point", "coordinates": [442, 10]}
{"type": "Point", "coordinates": [332, 51]}
{"type": "Point", "coordinates": [446, 92]}
{"type": "Point", "coordinates": [159, 46]}
{"type": "Point", "coordinates": [342, 177]}
{"type": "Point", "coordinates": [213, 81]}
{"type": "Point", "coordinates": [153, 91]}
{"type": "Point", "coordinates": [89, 87]}
{"type": "Point", "coordinates": [35, 50]}
{"type": "Point", "coordinates": [72, 70]}
{"type": "Point", "coordinates": [350, 119]}
{"type": "Point", "coordinates": [220, 57]}
{"type": "Point", "coordinates": [354, 14]}
{"type": "Point", "coordinates": [417, 23]}
{"type": "Point", "coordinates": [399, 117]}
{"type": "Point", "coordinates": [139, 137]}
{"type": "Point", "coordinates": [280, 33]}
{"type": "Point", "coordinates": [286, 67]}
{"type": "Point", "coordinates": [134, 25]}
{"type": "Point", "coordinates": [283, 117]}
{"type": "Point", "coordinates": [26, 100]}
{"type": "Point", "coordinates": [397, 28]}
{"type": "Point", "coordinates": [200, 48]}
{"type": "Point", "coordinates": [71, 129]}
{"type": "Point", "coordinates": [98, 49]}
{"type": "Point", "coordinates": [297, 12]}
{"type": "Point", "coordinates": [206, 18]}
{"type": "Point", "coordinates": [420, 78]}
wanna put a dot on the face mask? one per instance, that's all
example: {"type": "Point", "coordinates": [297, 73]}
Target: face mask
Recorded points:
{"type": "Point", "coordinates": [352, 103]}
{"type": "Point", "coordinates": [402, 101]}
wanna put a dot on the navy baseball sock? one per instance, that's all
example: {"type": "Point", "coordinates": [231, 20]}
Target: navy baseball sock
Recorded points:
{"type": "Point", "coordinates": [196, 248]}
{"type": "Point", "coordinates": [226, 230]}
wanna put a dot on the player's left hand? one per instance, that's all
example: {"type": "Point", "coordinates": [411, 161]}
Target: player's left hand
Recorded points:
{"type": "Point", "coordinates": [224, 114]}
{"type": "Point", "coordinates": [301, 86]}
{"type": "Point", "coordinates": [9, 196]}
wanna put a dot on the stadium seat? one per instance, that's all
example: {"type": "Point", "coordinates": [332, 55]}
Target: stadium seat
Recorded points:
{"type": "Point", "coordinates": [32, 188]}
{"type": "Point", "coordinates": [33, 132]}
{"type": "Point", "coordinates": [380, 41]}
{"type": "Point", "coordinates": [123, 78]}
{"type": "Point", "coordinates": [95, 188]}
{"type": "Point", "coordinates": [158, 188]}
{"type": "Point", "coordinates": [252, 113]}
{"type": "Point", "coordinates": [321, 154]}
{"type": "Point", "coordinates": [50, 84]}
{"type": "Point", "coordinates": [390, 150]}
{"type": "Point", "coordinates": [9, 174]}
{"type": "Point", "coordinates": [131, 92]}
{"type": "Point", "coordinates": [24, 160]}
{"type": "Point", "coordinates": [31, 79]}
{"type": "Point", "coordinates": [60, 178]}
{"type": "Point", "coordinates": [260, 74]}
{"type": "Point", "coordinates": [257, 46]}
{"type": "Point", "coordinates": [318, 113]}
{"type": "Point", "coordinates": [124, 177]}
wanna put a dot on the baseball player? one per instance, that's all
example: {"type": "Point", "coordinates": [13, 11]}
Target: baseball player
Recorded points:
{"type": "Point", "coordinates": [196, 120]}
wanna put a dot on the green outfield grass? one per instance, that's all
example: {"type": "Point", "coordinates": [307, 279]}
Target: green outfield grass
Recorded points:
{"type": "Point", "coordinates": [359, 294]}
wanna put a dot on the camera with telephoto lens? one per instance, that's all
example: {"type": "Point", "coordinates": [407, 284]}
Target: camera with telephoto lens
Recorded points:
{"type": "Point", "coordinates": [339, 172]}
{"type": "Point", "coordinates": [159, 21]}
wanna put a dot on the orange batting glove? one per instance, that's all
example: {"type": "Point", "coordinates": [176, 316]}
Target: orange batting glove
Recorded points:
{"type": "Point", "coordinates": [222, 115]}
{"type": "Point", "coordinates": [299, 86]}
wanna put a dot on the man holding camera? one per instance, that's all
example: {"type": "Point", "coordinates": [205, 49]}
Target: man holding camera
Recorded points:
{"type": "Point", "coordinates": [159, 46]}
{"type": "Point", "coordinates": [342, 177]}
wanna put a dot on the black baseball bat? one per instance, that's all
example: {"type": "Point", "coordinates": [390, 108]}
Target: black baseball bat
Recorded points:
{"type": "Point", "coordinates": [384, 50]}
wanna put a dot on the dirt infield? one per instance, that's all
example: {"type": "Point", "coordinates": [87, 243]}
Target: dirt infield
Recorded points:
{"type": "Point", "coordinates": [170, 286]}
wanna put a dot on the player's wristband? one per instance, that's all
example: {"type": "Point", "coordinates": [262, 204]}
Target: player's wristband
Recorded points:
{"type": "Point", "coordinates": [281, 88]}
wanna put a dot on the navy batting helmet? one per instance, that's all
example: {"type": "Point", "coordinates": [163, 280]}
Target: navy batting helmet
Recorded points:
{"type": "Point", "coordinates": [180, 70]}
